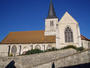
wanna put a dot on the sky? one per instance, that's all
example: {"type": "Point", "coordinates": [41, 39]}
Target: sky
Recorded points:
{"type": "Point", "coordinates": [29, 15]}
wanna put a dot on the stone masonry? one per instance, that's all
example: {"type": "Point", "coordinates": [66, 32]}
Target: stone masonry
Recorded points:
{"type": "Point", "coordinates": [60, 58]}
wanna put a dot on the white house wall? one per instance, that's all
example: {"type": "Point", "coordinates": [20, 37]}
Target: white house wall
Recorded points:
{"type": "Point", "coordinates": [68, 21]}
{"type": "Point", "coordinates": [86, 44]}
{"type": "Point", "coordinates": [24, 47]}
{"type": "Point", "coordinates": [48, 29]}
{"type": "Point", "coordinates": [3, 50]}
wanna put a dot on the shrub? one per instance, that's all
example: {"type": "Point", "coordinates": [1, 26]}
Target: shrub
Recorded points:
{"type": "Point", "coordinates": [10, 55]}
{"type": "Point", "coordinates": [74, 47]}
{"type": "Point", "coordinates": [69, 46]}
{"type": "Point", "coordinates": [33, 51]}
{"type": "Point", "coordinates": [80, 49]}
{"type": "Point", "coordinates": [52, 49]}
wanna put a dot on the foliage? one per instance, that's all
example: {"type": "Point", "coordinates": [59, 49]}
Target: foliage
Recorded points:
{"type": "Point", "coordinates": [74, 47]}
{"type": "Point", "coordinates": [52, 49]}
{"type": "Point", "coordinates": [10, 55]}
{"type": "Point", "coordinates": [69, 46]}
{"type": "Point", "coordinates": [33, 51]}
{"type": "Point", "coordinates": [80, 49]}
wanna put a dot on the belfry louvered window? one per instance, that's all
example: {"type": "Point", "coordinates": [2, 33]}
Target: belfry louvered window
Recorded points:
{"type": "Point", "coordinates": [68, 35]}
{"type": "Point", "coordinates": [51, 23]}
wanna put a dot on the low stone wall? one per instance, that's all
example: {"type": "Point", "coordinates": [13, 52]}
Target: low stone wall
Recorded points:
{"type": "Point", "coordinates": [44, 60]}
{"type": "Point", "coordinates": [3, 50]}
{"type": "Point", "coordinates": [74, 59]}
{"type": "Point", "coordinates": [40, 59]}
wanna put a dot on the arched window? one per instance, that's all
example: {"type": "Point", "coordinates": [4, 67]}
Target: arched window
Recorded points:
{"type": "Point", "coordinates": [20, 50]}
{"type": "Point", "coordinates": [88, 44]}
{"type": "Point", "coordinates": [9, 50]}
{"type": "Point", "coordinates": [49, 47]}
{"type": "Point", "coordinates": [11, 64]}
{"type": "Point", "coordinates": [68, 35]}
{"type": "Point", "coordinates": [51, 23]}
{"type": "Point", "coordinates": [44, 47]}
{"type": "Point", "coordinates": [14, 50]}
{"type": "Point", "coordinates": [57, 26]}
{"type": "Point", "coordinates": [37, 47]}
{"type": "Point", "coordinates": [31, 46]}
{"type": "Point", "coordinates": [53, 65]}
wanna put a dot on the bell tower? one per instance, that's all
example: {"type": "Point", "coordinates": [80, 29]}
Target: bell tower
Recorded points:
{"type": "Point", "coordinates": [51, 21]}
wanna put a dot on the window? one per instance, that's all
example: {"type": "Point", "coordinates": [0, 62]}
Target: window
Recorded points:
{"type": "Point", "coordinates": [68, 35]}
{"type": "Point", "coordinates": [31, 46]}
{"type": "Point", "coordinates": [82, 43]}
{"type": "Point", "coordinates": [44, 47]}
{"type": "Point", "coordinates": [88, 43]}
{"type": "Point", "coordinates": [14, 50]}
{"type": "Point", "coordinates": [20, 50]}
{"type": "Point", "coordinates": [51, 23]}
{"type": "Point", "coordinates": [57, 26]}
{"type": "Point", "coordinates": [9, 50]}
{"type": "Point", "coordinates": [53, 65]}
{"type": "Point", "coordinates": [37, 47]}
{"type": "Point", "coordinates": [49, 47]}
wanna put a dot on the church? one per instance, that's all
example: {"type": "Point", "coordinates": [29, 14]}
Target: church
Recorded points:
{"type": "Point", "coordinates": [57, 33]}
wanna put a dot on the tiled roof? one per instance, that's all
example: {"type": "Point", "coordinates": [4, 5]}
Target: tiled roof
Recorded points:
{"type": "Point", "coordinates": [26, 37]}
{"type": "Point", "coordinates": [84, 38]}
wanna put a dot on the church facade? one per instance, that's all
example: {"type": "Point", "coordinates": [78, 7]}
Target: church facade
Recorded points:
{"type": "Point", "coordinates": [57, 33]}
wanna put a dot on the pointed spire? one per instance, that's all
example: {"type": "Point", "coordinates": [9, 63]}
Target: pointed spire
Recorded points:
{"type": "Point", "coordinates": [51, 12]}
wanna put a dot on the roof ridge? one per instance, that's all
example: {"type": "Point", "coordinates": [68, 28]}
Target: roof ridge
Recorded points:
{"type": "Point", "coordinates": [85, 38]}
{"type": "Point", "coordinates": [28, 31]}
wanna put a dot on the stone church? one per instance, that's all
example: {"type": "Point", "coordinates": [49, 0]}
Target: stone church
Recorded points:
{"type": "Point", "coordinates": [57, 33]}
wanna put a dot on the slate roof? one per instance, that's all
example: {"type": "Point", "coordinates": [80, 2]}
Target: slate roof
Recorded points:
{"type": "Point", "coordinates": [51, 12]}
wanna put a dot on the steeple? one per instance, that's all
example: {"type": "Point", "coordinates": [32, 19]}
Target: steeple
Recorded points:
{"type": "Point", "coordinates": [51, 12]}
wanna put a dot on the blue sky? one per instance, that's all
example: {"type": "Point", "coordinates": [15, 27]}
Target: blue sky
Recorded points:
{"type": "Point", "coordinates": [27, 15]}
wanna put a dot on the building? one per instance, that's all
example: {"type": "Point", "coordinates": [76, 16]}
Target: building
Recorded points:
{"type": "Point", "coordinates": [57, 33]}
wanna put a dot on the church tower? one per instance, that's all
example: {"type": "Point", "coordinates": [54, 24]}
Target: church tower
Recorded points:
{"type": "Point", "coordinates": [51, 21]}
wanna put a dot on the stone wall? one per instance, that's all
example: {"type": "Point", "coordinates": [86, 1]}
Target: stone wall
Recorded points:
{"type": "Point", "coordinates": [68, 21]}
{"type": "Point", "coordinates": [75, 59]}
{"type": "Point", "coordinates": [84, 43]}
{"type": "Point", "coordinates": [3, 50]}
{"type": "Point", "coordinates": [44, 60]}
{"type": "Point", "coordinates": [50, 30]}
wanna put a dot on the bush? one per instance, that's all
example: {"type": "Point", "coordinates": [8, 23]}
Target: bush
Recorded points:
{"type": "Point", "coordinates": [69, 46]}
{"type": "Point", "coordinates": [10, 55]}
{"type": "Point", "coordinates": [52, 49]}
{"type": "Point", "coordinates": [80, 49]}
{"type": "Point", "coordinates": [74, 47]}
{"type": "Point", "coordinates": [34, 51]}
